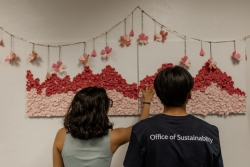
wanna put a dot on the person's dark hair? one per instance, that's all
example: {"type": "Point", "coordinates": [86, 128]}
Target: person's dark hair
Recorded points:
{"type": "Point", "coordinates": [87, 115]}
{"type": "Point", "coordinates": [173, 85]}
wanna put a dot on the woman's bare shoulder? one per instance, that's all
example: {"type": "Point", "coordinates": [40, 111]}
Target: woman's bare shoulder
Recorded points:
{"type": "Point", "coordinates": [60, 137]}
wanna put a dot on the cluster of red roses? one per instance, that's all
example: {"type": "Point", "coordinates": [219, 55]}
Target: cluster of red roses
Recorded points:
{"type": "Point", "coordinates": [206, 76]}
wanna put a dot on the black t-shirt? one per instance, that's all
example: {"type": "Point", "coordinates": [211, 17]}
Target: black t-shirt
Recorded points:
{"type": "Point", "coordinates": [174, 141]}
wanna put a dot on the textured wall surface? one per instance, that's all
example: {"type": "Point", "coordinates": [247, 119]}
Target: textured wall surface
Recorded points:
{"type": "Point", "coordinates": [27, 142]}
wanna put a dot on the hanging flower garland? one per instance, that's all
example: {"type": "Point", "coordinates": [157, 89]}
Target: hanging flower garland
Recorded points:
{"type": "Point", "coordinates": [235, 55]}
{"type": "Point", "coordinates": [162, 36]}
{"type": "Point", "coordinates": [48, 76]}
{"type": "Point", "coordinates": [84, 58]}
{"type": "Point", "coordinates": [143, 39]}
{"type": "Point", "coordinates": [185, 60]}
{"type": "Point", "coordinates": [107, 50]}
{"type": "Point", "coordinates": [125, 40]}
{"type": "Point", "coordinates": [12, 55]}
{"type": "Point", "coordinates": [32, 56]}
{"type": "Point", "coordinates": [202, 53]}
{"type": "Point", "coordinates": [59, 66]}
{"type": "Point", "coordinates": [1, 43]}
{"type": "Point", "coordinates": [93, 54]}
{"type": "Point", "coordinates": [131, 34]}
{"type": "Point", "coordinates": [212, 63]}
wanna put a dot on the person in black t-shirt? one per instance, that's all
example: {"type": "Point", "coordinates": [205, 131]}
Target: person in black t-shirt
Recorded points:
{"type": "Point", "coordinates": [174, 138]}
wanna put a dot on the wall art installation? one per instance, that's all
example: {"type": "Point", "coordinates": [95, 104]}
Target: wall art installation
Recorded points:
{"type": "Point", "coordinates": [56, 72]}
{"type": "Point", "coordinates": [218, 88]}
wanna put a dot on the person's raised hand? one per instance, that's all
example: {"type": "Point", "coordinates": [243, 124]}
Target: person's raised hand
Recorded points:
{"type": "Point", "coordinates": [148, 93]}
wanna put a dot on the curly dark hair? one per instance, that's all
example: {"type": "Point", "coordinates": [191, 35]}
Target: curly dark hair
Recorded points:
{"type": "Point", "coordinates": [87, 115]}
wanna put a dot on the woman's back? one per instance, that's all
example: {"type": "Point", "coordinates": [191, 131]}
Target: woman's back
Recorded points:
{"type": "Point", "coordinates": [86, 153]}
{"type": "Point", "coordinates": [88, 138]}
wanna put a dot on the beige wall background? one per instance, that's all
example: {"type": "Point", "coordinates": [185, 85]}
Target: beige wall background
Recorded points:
{"type": "Point", "coordinates": [27, 142]}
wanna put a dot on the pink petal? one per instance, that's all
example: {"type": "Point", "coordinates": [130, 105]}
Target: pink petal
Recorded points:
{"type": "Point", "coordinates": [202, 53]}
{"type": "Point", "coordinates": [12, 55]}
{"type": "Point", "coordinates": [59, 63]}
{"type": "Point", "coordinates": [126, 37]}
{"type": "Point", "coordinates": [7, 59]}
{"type": "Point", "coordinates": [54, 65]}
{"type": "Point", "coordinates": [93, 54]}
{"type": "Point", "coordinates": [141, 36]}
{"type": "Point", "coordinates": [131, 33]}
{"type": "Point", "coordinates": [234, 52]}
{"type": "Point", "coordinates": [110, 49]}
{"type": "Point", "coordinates": [103, 52]}
{"type": "Point", "coordinates": [237, 56]}
{"type": "Point", "coordinates": [184, 59]}
{"type": "Point", "coordinates": [86, 56]}
{"type": "Point", "coordinates": [145, 37]}
{"type": "Point", "coordinates": [107, 49]}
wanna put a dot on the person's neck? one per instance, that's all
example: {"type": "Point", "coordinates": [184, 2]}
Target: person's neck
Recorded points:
{"type": "Point", "coordinates": [175, 111]}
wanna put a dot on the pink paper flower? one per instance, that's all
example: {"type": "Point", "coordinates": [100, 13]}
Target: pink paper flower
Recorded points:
{"type": "Point", "coordinates": [125, 40]}
{"type": "Point", "coordinates": [10, 57]}
{"type": "Point", "coordinates": [32, 56]}
{"type": "Point", "coordinates": [143, 39]}
{"type": "Point", "coordinates": [93, 54]}
{"type": "Point", "coordinates": [84, 58]}
{"type": "Point", "coordinates": [59, 67]}
{"type": "Point", "coordinates": [1, 43]}
{"type": "Point", "coordinates": [106, 52]}
{"type": "Point", "coordinates": [212, 63]}
{"type": "Point", "coordinates": [131, 34]}
{"type": "Point", "coordinates": [158, 37]}
{"type": "Point", "coordinates": [185, 61]}
{"type": "Point", "coordinates": [202, 53]}
{"type": "Point", "coordinates": [235, 55]}
{"type": "Point", "coordinates": [161, 37]}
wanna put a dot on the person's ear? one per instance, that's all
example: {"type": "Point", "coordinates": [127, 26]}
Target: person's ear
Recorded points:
{"type": "Point", "coordinates": [190, 95]}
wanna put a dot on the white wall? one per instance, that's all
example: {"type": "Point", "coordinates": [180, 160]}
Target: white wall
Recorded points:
{"type": "Point", "coordinates": [27, 142]}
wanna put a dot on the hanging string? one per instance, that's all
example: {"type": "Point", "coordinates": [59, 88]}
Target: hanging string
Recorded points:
{"type": "Point", "coordinates": [93, 44]}
{"type": "Point", "coordinates": [102, 34]}
{"type": "Point", "coordinates": [60, 58]}
{"type": "Point", "coordinates": [185, 50]}
{"type": "Point", "coordinates": [211, 50]}
{"type": "Point", "coordinates": [125, 26]}
{"type": "Point", "coordinates": [48, 60]}
{"type": "Point", "coordinates": [132, 20]}
{"type": "Point", "coordinates": [245, 48]}
{"type": "Point", "coordinates": [106, 38]}
{"type": "Point", "coordinates": [161, 27]}
{"type": "Point", "coordinates": [234, 46]}
{"type": "Point", "coordinates": [182, 36]}
{"type": "Point", "coordinates": [11, 43]}
{"type": "Point", "coordinates": [201, 45]}
{"type": "Point", "coordinates": [155, 27]}
{"type": "Point", "coordinates": [33, 47]}
{"type": "Point", "coordinates": [138, 77]}
{"type": "Point", "coordinates": [84, 47]}
{"type": "Point", "coordinates": [142, 21]}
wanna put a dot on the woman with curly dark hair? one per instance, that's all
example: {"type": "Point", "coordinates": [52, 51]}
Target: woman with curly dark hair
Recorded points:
{"type": "Point", "coordinates": [88, 138]}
